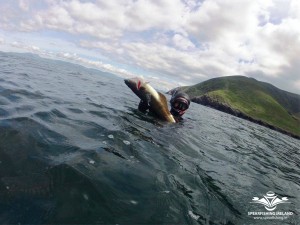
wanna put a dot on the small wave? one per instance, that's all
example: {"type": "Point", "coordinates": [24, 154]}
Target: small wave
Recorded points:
{"type": "Point", "coordinates": [77, 134]}
{"type": "Point", "coordinates": [50, 116]}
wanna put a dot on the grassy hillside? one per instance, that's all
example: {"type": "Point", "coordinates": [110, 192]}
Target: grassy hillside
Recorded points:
{"type": "Point", "coordinates": [258, 100]}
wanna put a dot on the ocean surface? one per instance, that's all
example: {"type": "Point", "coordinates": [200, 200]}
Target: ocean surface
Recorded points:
{"type": "Point", "coordinates": [74, 149]}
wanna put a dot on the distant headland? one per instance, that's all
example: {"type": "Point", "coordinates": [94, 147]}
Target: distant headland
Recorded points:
{"type": "Point", "coordinates": [250, 99]}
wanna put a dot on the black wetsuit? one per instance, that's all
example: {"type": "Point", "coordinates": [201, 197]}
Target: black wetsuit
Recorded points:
{"type": "Point", "coordinates": [143, 107]}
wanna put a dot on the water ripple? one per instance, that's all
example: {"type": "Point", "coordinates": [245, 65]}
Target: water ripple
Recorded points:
{"type": "Point", "coordinates": [75, 149]}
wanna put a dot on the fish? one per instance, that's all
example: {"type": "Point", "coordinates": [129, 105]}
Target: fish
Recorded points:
{"type": "Point", "coordinates": [156, 101]}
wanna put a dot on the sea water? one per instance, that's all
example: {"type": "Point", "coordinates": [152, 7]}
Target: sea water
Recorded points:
{"type": "Point", "coordinates": [74, 149]}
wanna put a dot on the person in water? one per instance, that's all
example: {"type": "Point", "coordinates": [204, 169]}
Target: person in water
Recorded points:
{"type": "Point", "coordinates": [179, 101]}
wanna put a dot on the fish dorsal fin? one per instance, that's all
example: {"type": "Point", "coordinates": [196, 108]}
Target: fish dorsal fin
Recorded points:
{"type": "Point", "coordinates": [163, 100]}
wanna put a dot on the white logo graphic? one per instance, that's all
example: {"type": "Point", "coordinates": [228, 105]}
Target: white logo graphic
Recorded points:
{"type": "Point", "coordinates": [270, 200]}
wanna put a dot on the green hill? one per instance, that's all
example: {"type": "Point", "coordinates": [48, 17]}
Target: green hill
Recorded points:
{"type": "Point", "coordinates": [248, 98]}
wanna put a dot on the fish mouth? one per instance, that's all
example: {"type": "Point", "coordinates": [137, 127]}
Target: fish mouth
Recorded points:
{"type": "Point", "coordinates": [126, 81]}
{"type": "Point", "coordinates": [129, 83]}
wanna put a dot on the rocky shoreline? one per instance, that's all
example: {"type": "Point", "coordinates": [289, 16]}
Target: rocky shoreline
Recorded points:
{"type": "Point", "coordinates": [210, 102]}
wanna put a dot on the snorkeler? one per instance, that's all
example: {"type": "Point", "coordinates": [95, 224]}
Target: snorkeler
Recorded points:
{"type": "Point", "coordinates": [180, 102]}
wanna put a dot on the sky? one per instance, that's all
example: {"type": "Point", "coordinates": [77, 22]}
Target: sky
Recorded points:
{"type": "Point", "coordinates": [168, 42]}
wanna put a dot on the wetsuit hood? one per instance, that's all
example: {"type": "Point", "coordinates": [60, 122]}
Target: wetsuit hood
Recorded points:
{"type": "Point", "coordinates": [180, 102]}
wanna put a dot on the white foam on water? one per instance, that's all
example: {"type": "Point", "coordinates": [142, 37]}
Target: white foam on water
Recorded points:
{"type": "Point", "coordinates": [192, 215]}
{"type": "Point", "coordinates": [85, 196]}
{"type": "Point", "coordinates": [126, 142]}
{"type": "Point", "coordinates": [133, 202]}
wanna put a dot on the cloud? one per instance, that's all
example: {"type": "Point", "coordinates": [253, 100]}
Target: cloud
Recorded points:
{"type": "Point", "coordinates": [95, 64]}
{"type": "Point", "coordinates": [24, 5]}
{"type": "Point", "coordinates": [182, 42]}
{"type": "Point", "coordinates": [297, 84]}
{"type": "Point", "coordinates": [69, 56]}
{"type": "Point", "coordinates": [107, 19]}
{"type": "Point", "coordinates": [29, 48]}
{"type": "Point", "coordinates": [187, 41]}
